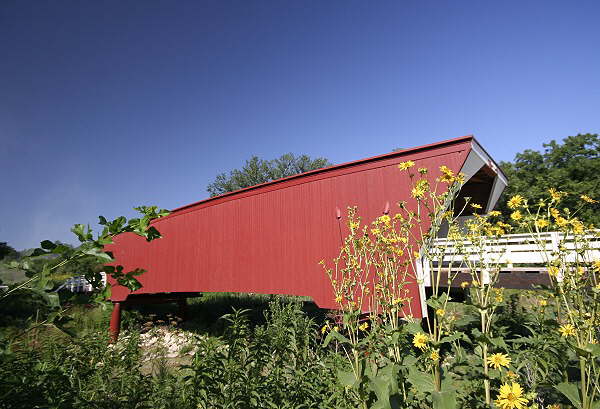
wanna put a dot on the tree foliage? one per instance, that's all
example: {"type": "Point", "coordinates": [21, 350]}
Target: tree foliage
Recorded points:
{"type": "Point", "coordinates": [257, 171]}
{"type": "Point", "coordinates": [7, 251]}
{"type": "Point", "coordinates": [571, 166]}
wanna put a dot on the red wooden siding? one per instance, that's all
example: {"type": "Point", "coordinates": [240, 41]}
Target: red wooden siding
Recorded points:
{"type": "Point", "coordinates": [269, 239]}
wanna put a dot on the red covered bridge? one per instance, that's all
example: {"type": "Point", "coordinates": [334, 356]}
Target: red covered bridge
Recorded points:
{"type": "Point", "coordinates": [269, 238]}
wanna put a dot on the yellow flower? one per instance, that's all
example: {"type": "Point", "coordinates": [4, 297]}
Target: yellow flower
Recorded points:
{"type": "Point", "coordinates": [561, 221]}
{"type": "Point", "coordinates": [435, 355]}
{"type": "Point", "coordinates": [420, 340]}
{"type": "Point", "coordinates": [588, 199]}
{"type": "Point", "coordinates": [567, 330]}
{"type": "Point", "coordinates": [498, 360]}
{"type": "Point", "coordinates": [510, 397]}
{"type": "Point", "coordinates": [555, 194]}
{"type": "Point", "coordinates": [338, 299]}
{"type": "Point", "coordinates": [516, 215]}
{"type": "Point", "coordinates": [495, 213]}
{"type": "Point", "coordinates": [417, 192]}
{"type": "Point", "coordinates": [440, 312]}
{"type": "Point", "coordinates": [475, 206]}
{"type": "Point", "coordinates": [447, 174]}
{"type": "Point", "coordinates": [512, 375]}
{"type": "Point", "coordinates": [422, 171]}
{"type": "Point", "coordinates": [406, 165]}
{"type": "Point", "coordinates": [543, 302]}
{"type": "Point", "coordinates": [541, 223]}
{"type": "Point", "coordinates": [554, 406]}
{"type": "Point", "coordinates": [515, 201]}
{"type": "Point", "coordinates": [375, 231]}
{"type": "Point", "coordinates": [354, 225]}
{"type": "Point", "coordinates": [464, 284]}
{"type": "Point", "coordinates": [364, 326]}
{"type": "Point", "coordinates": [578, 227]}
{"type": "Point", "coordinates": [336, 328]}
{"type": "Point", "coordinates": [596, 264]}
{"type": "Point", "coordinates": [324, 329]}
{"type": "Point", "coordinates": [554, 212]}
{"type": "Point", "coordinates": [553, 271]}
{"type": "Point", "coordinates": [385, 219]}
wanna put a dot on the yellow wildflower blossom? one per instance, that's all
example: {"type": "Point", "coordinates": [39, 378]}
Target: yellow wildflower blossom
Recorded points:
{"type": "Point", "coordinates": [511, 397]}
{"type": "Point", "coordinates": [435, 355]}
{"type": "Point", "coordinates": [447, 174]}
{"type": "Point", "coordinates": [364, 326]}
{"type": "Point", "coordinates": [324, 329]}
{"type": "Point", "coordinates": [464, 284]}
{"type": "Point", "coordinates": [420, 340]}
{"type": "Point", "coordinates": [554, 406]}
{"type": "Point", "coordinates": [578, 227]}
{"type": "Point", "coordinates": [475, 205]}
{"type": "Point", "coordinates": [541, 223]}
{"type": "Point", "coordinates": [417, 192]}
{"type": "Point", "coordinates": [516, 215]}
{"type": "Point", "coordinates": [498, 360]}
{"type": "Point", "coordinates": [440, 312]}
{"type": "Point", "coordinates": [567, 330]}
{"type": "Point", "coordinates": [554, 212]}
{"type": "Point", "coordinates": [543, 302]}
{"type": "Point", "coordinates": [494, 213]}
{"type": "Point", "coordinates": [336, 328]}
{"type": "Point", "coordinates": [406, 165]}
{"type": "Point", "coordinates": [511, 375]}
{"type": "Point", "coordinates": [553, 271]}
{"type": "Point", "coordinates": [385, 219]}
{"type": "Point", "coordinates": [515, 201]}
{"type": "Point", "coordinates": [375, 231]}
{"type": "Point", "coordinates": [596, 265]}
{"type": "Point", "coordinates": [423, 171]}
{"type": "Point", "coordinates": [588, 199]}
{"type": "Point", "coordinates": [338, 299]}
{"type": "Point", "coordinates": [555, 194]}
{"type": "Point", "coordinates": [561, 221]}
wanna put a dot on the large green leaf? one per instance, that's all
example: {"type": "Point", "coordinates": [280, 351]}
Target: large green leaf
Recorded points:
{"type": "Point", "coordinates": [337, 336]}
{"type": "Point", "coordinates": [420, 380]}
{"type": "Point", "coordinates": [444, 400]}
{"type": "Point", "coordinates": [571, 391]}
{"type": "Point", "coordinates": [413, 327]}
{"type": "Point", "coordinates": [347, 378]}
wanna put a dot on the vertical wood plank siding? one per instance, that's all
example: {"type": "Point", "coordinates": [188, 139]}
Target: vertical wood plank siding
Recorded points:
{"type": "Point", "coordinates": [270, 238]}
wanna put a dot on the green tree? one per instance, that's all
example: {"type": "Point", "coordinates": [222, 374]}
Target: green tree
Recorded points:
{"type": "Point", "coordinates": [257, 171]}
{"type": "Point", "coordinates": [572, 166]}
{"type": "Point", "coordinates": [7, 251]}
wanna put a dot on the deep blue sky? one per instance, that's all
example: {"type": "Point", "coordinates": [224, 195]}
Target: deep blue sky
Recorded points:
{"type": "Point", "coordinates": [107, 105]}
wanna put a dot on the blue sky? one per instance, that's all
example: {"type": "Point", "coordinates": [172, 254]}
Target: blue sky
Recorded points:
{"type": "Point", "coordinates": [113, 104]}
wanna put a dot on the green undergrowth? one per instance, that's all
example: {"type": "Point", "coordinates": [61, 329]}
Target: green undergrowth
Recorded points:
{"type": "Point", "coordinates": [267, 357]}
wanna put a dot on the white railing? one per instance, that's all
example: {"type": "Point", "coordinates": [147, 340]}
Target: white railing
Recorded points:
{"type": "Point", "coordinates": [528, 251]}
{"type": "Point", "coordinates": [79, 284]}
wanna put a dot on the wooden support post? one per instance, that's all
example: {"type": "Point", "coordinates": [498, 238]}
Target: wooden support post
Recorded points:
{"type": "Point", "coordinates": [182, 311]}
{"type": "Point", "coordinates": [115, 322]}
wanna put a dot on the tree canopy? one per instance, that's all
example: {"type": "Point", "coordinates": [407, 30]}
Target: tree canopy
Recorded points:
{"type": "Point", "coordinates": [572, 166]}
{"type": "Point", "coordinates": [257, 171]}
{"type": "Point", "coordinates": [7, 251]}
